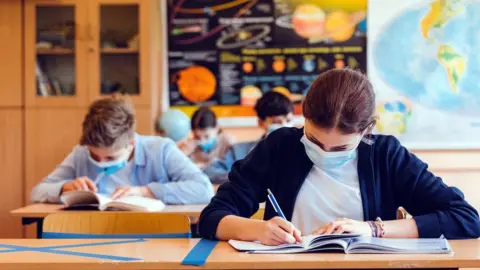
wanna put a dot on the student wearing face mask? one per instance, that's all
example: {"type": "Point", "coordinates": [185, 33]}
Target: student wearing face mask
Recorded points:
{"type": "Point", "coordinates": [274, 111]}
{"type": "Point", "coordinates": [209, 143]}
{"type": "Point", "coordinates": [113, 160]}
{"type": "Point", "coordinates": [333, 177]}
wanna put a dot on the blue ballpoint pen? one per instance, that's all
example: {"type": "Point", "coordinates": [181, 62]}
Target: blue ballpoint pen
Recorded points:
{"type": "Point", "coordinates": [274, 203]}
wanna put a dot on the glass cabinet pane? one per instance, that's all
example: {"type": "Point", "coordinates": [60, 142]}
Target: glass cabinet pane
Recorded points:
{"type": "Point", "coordinates": [55, 47]}
{"type": "Point", "coordinates": [119, 47]}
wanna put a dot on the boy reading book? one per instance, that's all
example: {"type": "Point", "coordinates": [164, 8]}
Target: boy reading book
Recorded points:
{"type": "Point", "coordinates": [115, 161]}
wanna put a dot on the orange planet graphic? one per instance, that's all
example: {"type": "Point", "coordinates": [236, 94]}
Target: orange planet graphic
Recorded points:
{"type": "Point", "coordinates": [314, 24]}
{"type": "Point", "coordinates": [339, 26]}
{"type": "Point", "coordinates": [249, 95]}
{"type": "Point", "coordinates": [247, 67]}
{"type": "Point", "coordinates": [339, 64]}
{"type": "Point", "coordinates": [308, 20]}
{"type": "Point", "coordinates": [278, 66]}
{"type": "Point", "coordinates": [196, 83]}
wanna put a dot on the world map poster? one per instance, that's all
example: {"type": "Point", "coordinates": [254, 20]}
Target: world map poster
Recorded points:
{"type": "Point", "coordinates": [424, 64]}
{"type": "Point", "coordinates": [226, 54]}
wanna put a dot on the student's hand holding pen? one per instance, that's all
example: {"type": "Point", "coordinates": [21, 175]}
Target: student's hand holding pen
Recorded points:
{"type": "Point", "coordinates": [278, 231]}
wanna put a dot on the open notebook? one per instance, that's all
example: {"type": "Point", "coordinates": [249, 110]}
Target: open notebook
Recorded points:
{"type": "Point", "coordinates": [350, 244]}
{"type": "Point", "coordinates": [88, 200]}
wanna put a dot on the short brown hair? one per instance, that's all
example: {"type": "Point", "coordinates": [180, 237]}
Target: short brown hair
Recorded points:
{"type": "Point", "coordinates": [109, 123]}
{"type": "Point", "coordinates": [342, 99]}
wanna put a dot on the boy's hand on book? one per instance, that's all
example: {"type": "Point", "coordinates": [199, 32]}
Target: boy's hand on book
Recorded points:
{"type": "Point", "coordinates": [81, 183]}
{"type": "Point", "coordinates": [278, 231]}
{"type": "Point", "coordinates": [132, 191]}
{"type": "Point", "coordinates": [345, 225]}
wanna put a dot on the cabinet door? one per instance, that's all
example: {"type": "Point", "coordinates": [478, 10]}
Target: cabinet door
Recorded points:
{"type": "Point", "coordinates": [120, 49]}
{"type": "Point", "coordinates": [55, 53]}
{"type": "Point", "coordinates": [50, 135]}
{"type": "Point", "coordinates": [11, 173]}
{"type": "Point", "coordinates": [11, 53]}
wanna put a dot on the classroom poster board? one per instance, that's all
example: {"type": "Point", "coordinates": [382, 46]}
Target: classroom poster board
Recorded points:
{"type": "Point", "coordinates": [424, 63]}
{"type": "Point", "coordinates": [226, 54]}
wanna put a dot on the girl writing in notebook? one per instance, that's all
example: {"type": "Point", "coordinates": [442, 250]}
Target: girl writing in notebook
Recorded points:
{"type": "Point", "coordinates": [333, 176]}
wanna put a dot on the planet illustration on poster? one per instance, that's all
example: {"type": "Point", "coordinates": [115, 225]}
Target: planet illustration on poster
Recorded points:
{"type": "Point", "coordinates": [196, 83]}
{"type": "Point", "coordinates": [249, 95]}
{"type": "Point", "coordinates": [315, 25]}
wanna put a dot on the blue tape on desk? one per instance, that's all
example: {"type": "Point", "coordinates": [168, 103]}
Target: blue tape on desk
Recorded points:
{"type": "Point", "coordinates": [57, 250]}
{"type": "Point", "coordinates": [60, 235]}
{"type": "Point", "coordinates": [199, 254]}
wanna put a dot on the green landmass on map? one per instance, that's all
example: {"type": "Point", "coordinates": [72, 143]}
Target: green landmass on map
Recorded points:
{"type": "Point", "coordinates": [454, 64]}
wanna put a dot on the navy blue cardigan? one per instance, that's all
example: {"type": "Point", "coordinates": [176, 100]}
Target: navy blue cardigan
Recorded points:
{"type": "Point", "coordinates": [389, 177]}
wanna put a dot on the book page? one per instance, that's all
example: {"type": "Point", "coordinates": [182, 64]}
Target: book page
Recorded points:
{"type": "Point", "coordinates": [79, 197]}
{"type": "Point", "coordinates": [103, 200]}
{"type": "Point", "coordinates": [137, 203]}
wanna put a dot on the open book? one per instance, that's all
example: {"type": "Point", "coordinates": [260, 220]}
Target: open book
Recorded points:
{"type": "Point", "coordinates": [350, 244]}
{"type": "Point", "coordinates": [87, 199]}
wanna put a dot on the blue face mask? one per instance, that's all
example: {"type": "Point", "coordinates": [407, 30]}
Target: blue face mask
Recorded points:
{"type": "Point", "coordinates": [111, 167]}
{"type": "Point", "coordinates": [208, 145]}
{"type": "Point", "coordinates": [326, 160]}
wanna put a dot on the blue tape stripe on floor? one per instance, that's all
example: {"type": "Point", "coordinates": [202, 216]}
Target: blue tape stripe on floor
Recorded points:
{"type": "Point", "coordinates": [92, 255]}
{"type": "Point", "coordinates": [59, 235]}
{"type": "Point", "coordinates": [199, 254]}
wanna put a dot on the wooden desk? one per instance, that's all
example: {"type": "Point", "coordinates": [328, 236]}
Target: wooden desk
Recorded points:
{"type": "Point", "coordinates": [35, 213]}
{"type": "Point", "coordinates": [168, 254]}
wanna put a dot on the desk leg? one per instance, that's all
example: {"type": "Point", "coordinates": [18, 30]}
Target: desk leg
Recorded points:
{"type": "Point", "coordinates": [39, 221]}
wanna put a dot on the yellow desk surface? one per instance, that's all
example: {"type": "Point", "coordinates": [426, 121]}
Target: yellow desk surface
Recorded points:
{"type": "Point", "coordinates": [168, 254]}
{"type": "Point", "coordinates": [41, 210]}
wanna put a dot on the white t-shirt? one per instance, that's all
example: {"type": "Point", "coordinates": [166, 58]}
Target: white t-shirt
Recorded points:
{"type": "Point", "coordinates": [326, 196]}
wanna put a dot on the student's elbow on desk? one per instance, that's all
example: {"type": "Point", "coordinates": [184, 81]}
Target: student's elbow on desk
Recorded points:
{"type": "Point", "coordinates": [47, 192]}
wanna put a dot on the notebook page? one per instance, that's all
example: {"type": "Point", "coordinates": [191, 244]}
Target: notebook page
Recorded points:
{"type": "Point", "coordinates": [385, 245]}
{"type": "Point", "coordinates": [256, 246]}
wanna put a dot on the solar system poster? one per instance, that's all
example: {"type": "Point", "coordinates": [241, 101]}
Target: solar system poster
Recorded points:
{"type": "Point", "coordinates": [226, 54]}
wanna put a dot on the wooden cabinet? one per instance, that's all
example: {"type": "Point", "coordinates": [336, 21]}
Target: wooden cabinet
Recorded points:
{"type": "Point", "coordinates": [11, 172]}
{"type": "Point", "coordinates": [79, 50]}
{"type": "Point", "coordinates": [10, 53]}
{"type": "Point", "coordinates": [55, 53]}
{"type": "Point", "coordinates": [75, 52]}
{"type": "Point", "coordinates": [51, 135]}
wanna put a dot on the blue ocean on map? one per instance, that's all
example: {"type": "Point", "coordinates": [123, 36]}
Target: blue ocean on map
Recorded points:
{"type": "Point", "coordinates": [408, 62]}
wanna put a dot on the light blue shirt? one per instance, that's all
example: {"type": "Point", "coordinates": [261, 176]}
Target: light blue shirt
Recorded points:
{"type": "Point", "coordinates": [157, 163]}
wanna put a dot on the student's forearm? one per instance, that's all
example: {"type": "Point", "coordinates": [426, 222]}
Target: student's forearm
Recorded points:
{"type": "Point", "coordinates": [234, 227]}
{"type": "Point", "coordinates": [404, 228]}
{"type": "Point", "coordinates": [183, 192]}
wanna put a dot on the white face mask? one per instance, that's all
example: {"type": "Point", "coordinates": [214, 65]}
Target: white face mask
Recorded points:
{"type": "Point", "coordinates": [326, 160]}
